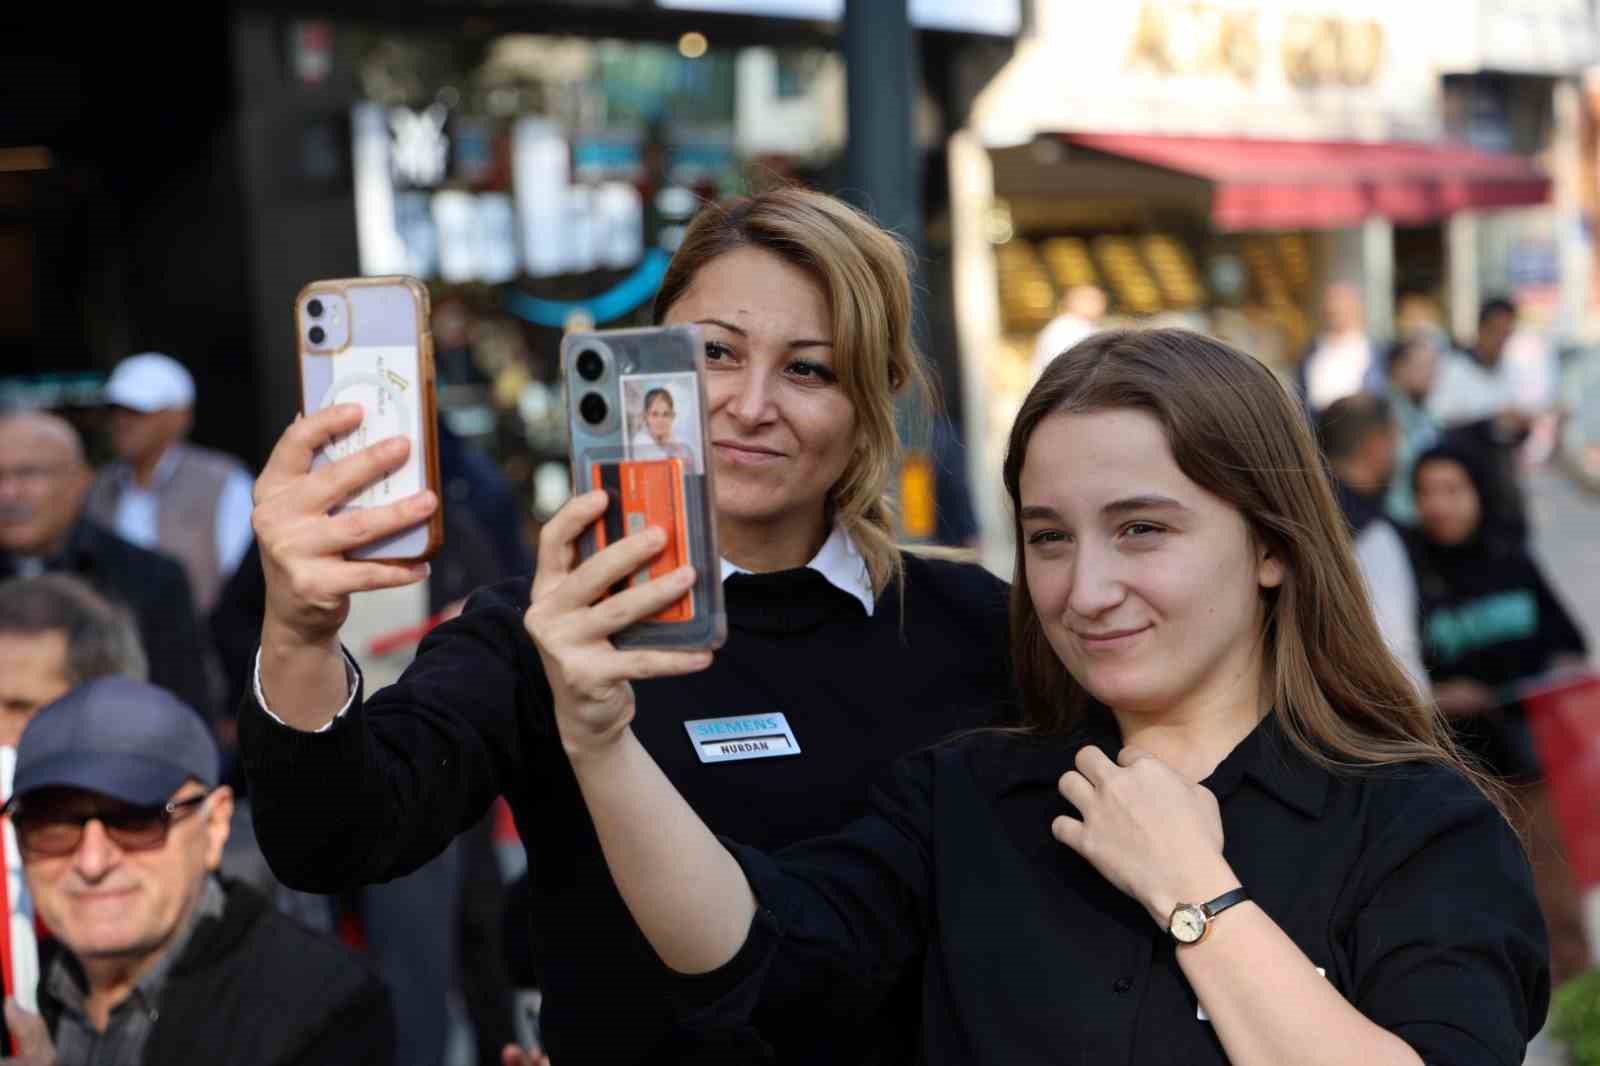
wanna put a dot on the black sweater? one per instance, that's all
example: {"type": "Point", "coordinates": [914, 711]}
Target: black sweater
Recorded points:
{"type": "Point", "coordinates": [394, 780]}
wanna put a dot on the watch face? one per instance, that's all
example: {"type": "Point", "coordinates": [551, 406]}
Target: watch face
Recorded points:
{"type": "Point", "coordinates": [1188, 924]}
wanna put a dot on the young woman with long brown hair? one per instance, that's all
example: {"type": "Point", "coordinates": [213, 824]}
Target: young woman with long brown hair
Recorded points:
{"type": "Point", "coordinates": [806, 309]}
{"type": "Point", "coordinates": [1231, 832]}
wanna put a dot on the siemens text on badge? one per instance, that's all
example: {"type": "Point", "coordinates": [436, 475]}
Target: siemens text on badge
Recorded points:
{"type": "Point", "coordinates": [750, 736]}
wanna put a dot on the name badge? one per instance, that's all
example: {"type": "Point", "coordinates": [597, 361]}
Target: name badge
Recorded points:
{"type": "Point", "coordinates": [748, 736]}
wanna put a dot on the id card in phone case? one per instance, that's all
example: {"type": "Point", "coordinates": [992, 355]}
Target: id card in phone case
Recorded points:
{"type": "Point", "coordinates": [641, 494]}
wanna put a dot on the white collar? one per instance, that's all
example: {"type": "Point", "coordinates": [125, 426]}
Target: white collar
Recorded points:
{"type": "Point", "coordinates": [839, 562]}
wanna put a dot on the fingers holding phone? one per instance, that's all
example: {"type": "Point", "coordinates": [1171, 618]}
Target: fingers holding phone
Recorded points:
{"type": "Point", "coordinates": [304, 543]}
{"type": "Point", "coordinates": [574, 617]}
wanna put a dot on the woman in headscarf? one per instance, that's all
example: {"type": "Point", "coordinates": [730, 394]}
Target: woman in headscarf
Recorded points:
{"type": "Point", "coordinates": [1490, 621]}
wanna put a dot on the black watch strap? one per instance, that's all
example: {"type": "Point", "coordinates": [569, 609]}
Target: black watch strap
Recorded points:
{"type": "Point", "coordinates": [1224, 901]}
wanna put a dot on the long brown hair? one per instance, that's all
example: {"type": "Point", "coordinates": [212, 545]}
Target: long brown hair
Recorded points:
{"type": "Point", "coordinates": [1337, 692]}
{"type": "Point", "coordinates": [862, 270]}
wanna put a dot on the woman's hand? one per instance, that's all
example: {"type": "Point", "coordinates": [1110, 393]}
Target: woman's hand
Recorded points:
{"type": "Point", "coordinates": [309, 580]}
{"type": "Point", "coordinates": [1148, 831]}
{"type": "Point", "coordinates": [571, 621]}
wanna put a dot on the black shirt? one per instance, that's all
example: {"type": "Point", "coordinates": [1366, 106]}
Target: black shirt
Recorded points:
{"type": "Point", "coordinates": [1404, 884]}
{"type": "Point", "coordinates": [396, 778]}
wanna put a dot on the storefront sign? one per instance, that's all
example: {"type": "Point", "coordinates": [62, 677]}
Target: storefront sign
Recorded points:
{"type": "Point", "coordinates": [1281, 69]}
{"type": "Point", "coordinates": [1179, 37]}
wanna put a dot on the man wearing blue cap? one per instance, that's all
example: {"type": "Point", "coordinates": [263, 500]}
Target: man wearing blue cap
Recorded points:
{"type": "Point", "coordinates": [121, 825]}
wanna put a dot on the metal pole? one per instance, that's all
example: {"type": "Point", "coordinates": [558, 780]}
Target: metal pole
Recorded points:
{"type": "Point", "coordinates": [883, 177]}
{"type": "Point", "coordinates": [881, 164]}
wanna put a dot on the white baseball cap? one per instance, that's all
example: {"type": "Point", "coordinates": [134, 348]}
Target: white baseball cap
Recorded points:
{"type": "Point", "coordinates": [150, 382]}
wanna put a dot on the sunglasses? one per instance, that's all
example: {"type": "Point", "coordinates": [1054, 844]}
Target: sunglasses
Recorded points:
{"type": "Point", "coordinates": [50, 833]}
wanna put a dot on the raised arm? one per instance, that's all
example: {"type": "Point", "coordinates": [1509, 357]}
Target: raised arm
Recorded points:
{"type": "Point", "coordinates": [345, 793]}
{"type": "Point", "coordinates": [688, 895]}
{"type": "Point", "coordinates": [309, 580]}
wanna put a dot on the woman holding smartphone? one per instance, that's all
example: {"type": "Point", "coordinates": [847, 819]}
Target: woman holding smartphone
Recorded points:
{"type": "Point", "coordinates": [1229, 833]}
{"type": "Point", "coordinates": [854, 650]}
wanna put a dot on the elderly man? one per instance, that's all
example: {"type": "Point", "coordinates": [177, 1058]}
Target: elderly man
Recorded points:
{"type": "Point", "coordinates": [166, 494]}
{"type": "Point", "coordinates": [121, 825]}
{"type": "Point", "coordinates": [43, 482]}
{"type": "Point", "coordinates": [55, 632]}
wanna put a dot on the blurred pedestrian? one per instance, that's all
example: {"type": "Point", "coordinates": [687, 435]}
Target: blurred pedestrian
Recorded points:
{"type": "Point", "coordinates": [1079, 314]}
{"type": "Point", "coordinates": [56, 632]}
{"type": "Point", "coordinates": [1360, 438]}
{"type": "Point", "coordinates": [164, 493]}
{"type": "Point", "coordinates": [1342, 360]}
{"type": "Point", "coordinates": [841, 648]}
{"type": "Point", "coordinates": [1490, 620]}
{"type": "Point", "coordinates": [121, 824]}
{"type": "Point", "coordinates": [1477, 398]}
{"type": "Point", "coordinates": [1413, 366]}
{"type": "Point", "coordinates": [44, 480]}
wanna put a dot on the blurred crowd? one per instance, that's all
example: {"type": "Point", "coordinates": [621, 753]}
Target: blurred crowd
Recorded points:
{"type": "Point", "coordinates": [147, 570]}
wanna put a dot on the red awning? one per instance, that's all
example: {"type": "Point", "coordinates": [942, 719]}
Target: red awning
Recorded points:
{"type": "Point", "coordinates": [1324, 184]}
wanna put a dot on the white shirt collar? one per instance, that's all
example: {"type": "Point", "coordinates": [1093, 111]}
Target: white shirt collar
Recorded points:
{"type": "Point", "coordinates": [839, 561]}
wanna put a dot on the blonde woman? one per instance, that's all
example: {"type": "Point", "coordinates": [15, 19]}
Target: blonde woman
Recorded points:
{"type": "Point", "coordinates": [1230, 834]}
{"type": "Point", "coordinates": [842, 654]}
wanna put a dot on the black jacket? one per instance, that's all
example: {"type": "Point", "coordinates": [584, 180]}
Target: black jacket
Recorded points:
{"type": "Point", "coordinates": [1403, 884]}
{"type": "Point", "coordinates": [154, 587]}
{"type": "Point", "coordinates": [255, 988]}
{"type": "Point", "coordinates": [393, 781]}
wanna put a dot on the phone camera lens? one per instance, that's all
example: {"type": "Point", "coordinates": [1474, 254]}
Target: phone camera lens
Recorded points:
{"type": "Point", "coordinates": [314, 308]}
{"type": "Point", "coordinates": [593, 408]}
{"type": "Point", "coordinates": [590, 365]}
{"type": "Point", "coordinates": [317, 334]}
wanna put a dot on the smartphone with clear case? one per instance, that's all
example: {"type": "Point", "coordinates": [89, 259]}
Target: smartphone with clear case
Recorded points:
{"type": "Point", "coordinates": [366, 341]}
{"type": "Point", "coordinates": [636, 408]}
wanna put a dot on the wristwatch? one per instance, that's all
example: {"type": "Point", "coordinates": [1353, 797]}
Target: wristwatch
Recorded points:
{"type": "Point", "coordinates": [1190, 923]}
